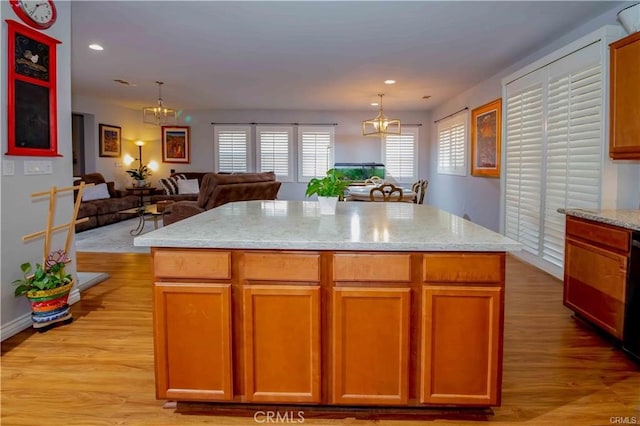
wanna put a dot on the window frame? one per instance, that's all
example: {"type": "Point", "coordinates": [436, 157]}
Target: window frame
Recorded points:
{"type": "Point", "coordinates": [216, 145]}
{"type": "Point", "coordinates": [284, 129]}
{"type": "Point", "coordinates": [331, 156]}
{"type": "Point", "coordinates": [415, 132]}
{"type": "Point", "coordinates": [461, 118]}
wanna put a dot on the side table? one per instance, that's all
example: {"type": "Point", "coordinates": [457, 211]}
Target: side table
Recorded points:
{"type": "Point", "coordinates": [141, 192]}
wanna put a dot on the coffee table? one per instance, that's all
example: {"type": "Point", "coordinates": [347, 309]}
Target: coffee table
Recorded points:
{"type": "Point", "coordinates": [148, 212]}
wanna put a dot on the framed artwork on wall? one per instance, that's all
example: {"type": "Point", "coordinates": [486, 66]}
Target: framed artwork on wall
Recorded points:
{"type": "Point", "coordinates": [175, 144]}
{"type": "Point", "coordinates": [32, 121]}
{"type": "Point", "coordinates": [110, 140]}
{"type": "Point", "coordinates": [486, 129]}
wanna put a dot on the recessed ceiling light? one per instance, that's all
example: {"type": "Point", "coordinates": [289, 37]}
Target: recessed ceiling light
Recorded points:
{"type": "Point", "coordinates": [95, 47]}
{"type": "Point", "coordinates": [389, 82]}
{"type": "Point", "coordinates": [374, 104]}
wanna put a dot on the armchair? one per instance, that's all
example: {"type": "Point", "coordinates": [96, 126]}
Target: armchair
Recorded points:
{"type": "Point", "coordinates": [218, 189]}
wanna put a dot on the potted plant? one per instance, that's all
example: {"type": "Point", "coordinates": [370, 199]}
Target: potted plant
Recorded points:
{"type": "Point", "coordinates": [140, 175]}
{"type": "Point", "coordinates": [328, 189]}
{"type": "Point", "coordinates": [47, 287]}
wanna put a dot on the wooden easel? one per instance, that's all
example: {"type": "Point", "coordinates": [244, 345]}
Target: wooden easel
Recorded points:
{"type": "Point", "coordinates": [48, 232]}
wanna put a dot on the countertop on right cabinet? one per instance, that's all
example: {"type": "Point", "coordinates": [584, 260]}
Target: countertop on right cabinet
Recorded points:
{"type": "Point", "coordinates": [628, 219]}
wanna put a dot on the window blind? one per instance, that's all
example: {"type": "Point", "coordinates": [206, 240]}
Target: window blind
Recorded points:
{"type": "Point", "coordinates": [452, 141]}
{"type": "Point", "coordinates": [400, 155]}
{"type": "Point", "coordinates": [273, 151]}
{"type": "Point", "coordinates": [553, 152]}
{"type": "Point", "coordinates": [316, 151]}
{"type": "Point", "coordinates": [232, 148]}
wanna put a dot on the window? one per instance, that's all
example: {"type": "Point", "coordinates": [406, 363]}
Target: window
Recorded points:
{"type": "Point", "coordinates": [452, 145]}
{"type": "Point", "coordinates": [315, 146]}
{"type": "Point", "coordinates": [553, 150]}
{"type": "Point", "coordinates": [400, 155]}
{"type": "Point", "coordinates": [232, 148]}
{"type": "Point", "coordinates": [274, 151]}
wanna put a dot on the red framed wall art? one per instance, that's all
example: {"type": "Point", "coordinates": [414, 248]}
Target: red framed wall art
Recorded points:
{"type": "Point", "coordinates": [32, 121]}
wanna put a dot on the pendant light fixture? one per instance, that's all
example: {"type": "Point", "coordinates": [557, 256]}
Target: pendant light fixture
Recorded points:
{"type": "Point", "coordinates": [159, 115]}
{"type": "Point", "coordinates": [381, 125]}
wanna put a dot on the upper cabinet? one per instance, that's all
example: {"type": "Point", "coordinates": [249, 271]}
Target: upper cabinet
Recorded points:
{"type": "Point", "coordinates": [624, 141]}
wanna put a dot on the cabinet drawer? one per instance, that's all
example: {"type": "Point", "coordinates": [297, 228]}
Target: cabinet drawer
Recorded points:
{"type": "Point", "coordinates": [198, 264]}
{"type": "Point", "coordinates": [371, 267]}
{"type": "Point", "coordinates": [282, 266]}
{"type": "Point", "coordinates": [456, 267]}
{"type": "Point", "coordinates": [599, 234]}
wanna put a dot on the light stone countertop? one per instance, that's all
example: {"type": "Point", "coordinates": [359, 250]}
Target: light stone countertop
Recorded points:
{"type": "Point", "coordinates": [628, 219]}
{"type": "Point", "coordinates": [298, 225]}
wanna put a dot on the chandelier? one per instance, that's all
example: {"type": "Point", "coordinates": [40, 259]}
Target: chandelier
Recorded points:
{"type": "Point", "coordinates": [381, 125]}
{"type": "Point", "coordinates": [159, 115]}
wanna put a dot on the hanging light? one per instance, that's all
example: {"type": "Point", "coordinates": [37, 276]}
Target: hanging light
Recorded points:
{"type": "Point", "coordinates": [381, 125]}
{"type": "Point", "coordinates": [159, 115]}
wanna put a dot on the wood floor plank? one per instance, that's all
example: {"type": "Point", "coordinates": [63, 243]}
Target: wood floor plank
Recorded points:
{"type": "Point", "coordinates": [99, 369]}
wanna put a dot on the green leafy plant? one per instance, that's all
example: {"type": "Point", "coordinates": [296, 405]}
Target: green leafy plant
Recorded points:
{"type": "Point", "coordinates": [332, 185]}
{"type": "Point", "coordinates": [141, 173]}
{"type": "Point", "coordinates": [46, 277]}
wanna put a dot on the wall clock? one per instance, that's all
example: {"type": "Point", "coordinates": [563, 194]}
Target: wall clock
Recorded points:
{"type": "Point", "coordinates": [39, 14]}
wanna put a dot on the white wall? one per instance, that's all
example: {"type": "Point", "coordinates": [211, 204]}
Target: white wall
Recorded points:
{"type": "Point", "coordinates": [350, 145]}
{"type": "Point", "coordinates": [478, 198]}
{"type": "Point", "coordinates": [21, 214]}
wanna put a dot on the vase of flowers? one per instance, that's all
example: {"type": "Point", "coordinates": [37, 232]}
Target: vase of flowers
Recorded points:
{"type": "Point", "coordinates": [140, 175]}
{"type": "Point", "coordinates": [47, 287]}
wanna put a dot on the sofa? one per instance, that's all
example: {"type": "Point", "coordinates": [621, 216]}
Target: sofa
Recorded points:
{"type": "Point", "coordinates": [104, 211]}
{"type": "Point", "coordinates": [162, 194]}
{"type": "Point", "coordinates": [218, 189]}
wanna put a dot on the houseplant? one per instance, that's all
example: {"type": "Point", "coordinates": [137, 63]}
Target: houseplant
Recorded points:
{"type": "Point", "coordinates": [328, 189]}
{"type": "Point", "coordinates": [140, 175]}
{"type": "Point", "coordinates": [47, 287]}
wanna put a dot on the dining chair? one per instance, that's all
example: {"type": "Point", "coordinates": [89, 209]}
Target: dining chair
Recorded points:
{"type": "Point", "coordinates": [374, 180]}
{"type": "Point", "coordinates": [386, 192]}
{"type": "Point", "coordinates": [420, 188]}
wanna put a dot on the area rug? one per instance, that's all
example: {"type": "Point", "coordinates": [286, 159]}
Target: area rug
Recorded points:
{"type": "Point", "coordinates": [114, 238]}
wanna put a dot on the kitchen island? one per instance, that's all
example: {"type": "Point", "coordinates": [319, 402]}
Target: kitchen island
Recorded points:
{"type": "Point", "coordinates": [381, 304]}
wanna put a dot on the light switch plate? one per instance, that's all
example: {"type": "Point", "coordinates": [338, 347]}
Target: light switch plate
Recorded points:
{"type": "Point", "coordinates": [8, 167]}
{"type": "Point", "coordinates": [43, 167]}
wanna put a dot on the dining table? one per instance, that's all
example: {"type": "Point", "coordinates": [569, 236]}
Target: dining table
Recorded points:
{"type": "Point", "coordinates": [361, 193]}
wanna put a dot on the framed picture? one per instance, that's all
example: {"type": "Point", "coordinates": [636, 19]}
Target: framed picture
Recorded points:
{"type": "Point", "coordinates": [110, 141]}
{"type": "Point", "coordinates": [175, 144]}
{"type": "Point", "coordinates": [32, 123]}
{"type": "Point", "coordinates": [486, 128]}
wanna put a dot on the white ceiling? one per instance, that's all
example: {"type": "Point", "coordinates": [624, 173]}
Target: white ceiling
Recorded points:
{"type": "Point", "coordinates": [306, 55]}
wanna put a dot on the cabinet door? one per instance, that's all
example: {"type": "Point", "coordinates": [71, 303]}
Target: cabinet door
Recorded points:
{"type": "Point", "coordinates": [461, 345]}
{"type": "Point", "coordinates": [624, 141]}
{"type": "Point", "coordinates": [370, 346]}
{"type": "Point", "coordinates": [192, 329]}
{"type": "Point", "coordinates": [594, 285]}
{"type": "Point", "coordinates": [282, 343]}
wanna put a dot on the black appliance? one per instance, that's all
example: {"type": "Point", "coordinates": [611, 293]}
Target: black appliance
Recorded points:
{"type": "Point", "coordinates": [631, 334]}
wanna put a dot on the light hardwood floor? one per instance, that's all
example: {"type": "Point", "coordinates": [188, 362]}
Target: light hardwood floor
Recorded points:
{"type": "Point", "coordinates": [99, 369]}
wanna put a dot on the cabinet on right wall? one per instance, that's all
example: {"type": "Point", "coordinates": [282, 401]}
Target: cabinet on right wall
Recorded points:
{"type": "Point", "coordinates": [624, 141]}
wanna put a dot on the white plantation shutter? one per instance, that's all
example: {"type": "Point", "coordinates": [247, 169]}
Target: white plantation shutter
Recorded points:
{"type": "Point", "coordinates": [553, 152]}
{"type": "Point", "coordinates": [232, 148]}
{"type": "Point", "coordinates": [523, 167]}
{"type": "Point", "coordinates": [573, 152]}
{"type": "Point", "coordinates": [273, 151]}
{"type": "Point", "coordinates": [315, 147]}
{"type": "Point", "coordinates": [400, 155]}
{"type": "Point", "coordinates": [452, 145]}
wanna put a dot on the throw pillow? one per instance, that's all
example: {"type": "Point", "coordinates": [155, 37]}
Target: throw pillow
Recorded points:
{"type": "Point", "coordinates": [170, 185]}
{"type": "Point", "coordinates": [97, 192]}
{"type": "Point", "coordinates": [188, 186]}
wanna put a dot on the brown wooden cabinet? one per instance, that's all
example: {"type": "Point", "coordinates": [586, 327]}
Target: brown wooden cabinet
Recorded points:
{"type": "Point", "coordinates": [595, 272]}
{"type": "Point", "coordinates": [460, 350]}
{"type": "Point", "coordinates": [370, 346]}
{"type": "Point", "coordinates": [624, 141]}
{"type": "Point", "coordinates": [193, 341]}
{"type": "Point", "coordinates": [281, 338]}
{"type": "Point", "coordinates": [328, 327]}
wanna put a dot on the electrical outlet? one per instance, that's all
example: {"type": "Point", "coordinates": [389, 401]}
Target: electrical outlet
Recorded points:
{"type": "Point", "coordinates": [8, 167]}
